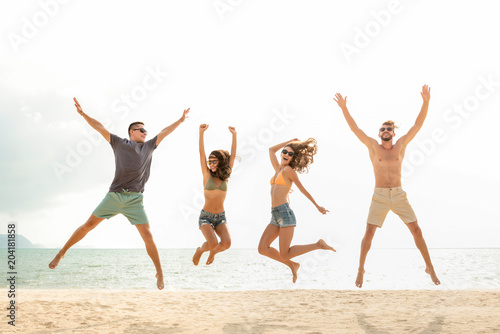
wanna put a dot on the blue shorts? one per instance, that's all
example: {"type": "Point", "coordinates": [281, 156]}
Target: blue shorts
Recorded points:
{"type": "Point", "coordinates": [214, 219]}
{"type": "Point", "coordinates": [283, 216]}
{"type": "Point", "coordinates": [127, 203]}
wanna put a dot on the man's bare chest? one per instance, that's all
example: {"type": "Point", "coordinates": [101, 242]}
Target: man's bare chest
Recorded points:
{"type": "Point", "coordinates": [384, 157]}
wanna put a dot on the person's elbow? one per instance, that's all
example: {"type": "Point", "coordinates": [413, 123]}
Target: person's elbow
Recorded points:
{"type": "Point", "coordinates": [354, 128]}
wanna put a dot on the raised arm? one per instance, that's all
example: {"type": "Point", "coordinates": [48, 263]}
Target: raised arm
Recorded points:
{"type": "Point", "coordinates": [92, 122]}
{"type": "Point", "coordinates": [426, 96]}
{"type": "Point", "coordinates": [233, 146]}
{"type": "Point", "coordinates": [342, 102]}
{"type": "Point", "coordinates": [292, 175]}
{"type": "Point", "coordinates": [203, 157]}
{"type": "Point", "coordinates": [274, 149]}
{"type": "Point", "coordinates": [169, 129]}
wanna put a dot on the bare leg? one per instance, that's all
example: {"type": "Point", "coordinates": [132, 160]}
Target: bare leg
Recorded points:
{"type": "Point", "coordinates": [78, 235]}
{"type": "Point", "coordinates": [147, 236]}
{"type": "Point", "coordinates": [225, 242]}
{"type": "Point", "coordinates": [211, 243]}
{"type": "Point", "coordinates": [366, 243]}
{"type": "Point", "coordinates": [422, 247]}
{"type": "Point", "coordinates": [287, 252]}
{"type": "Point", "coordinates": [270, 234]}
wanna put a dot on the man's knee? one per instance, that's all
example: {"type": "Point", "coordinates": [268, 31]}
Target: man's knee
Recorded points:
{"type": "Point", "coordinates": [145, 232]}
{"type": "Point", "coordinates": [91, 223]}
{"type": "Point", "coordinates": [415, 230]}
{"type": "Point", "coordinates": [370, 231]}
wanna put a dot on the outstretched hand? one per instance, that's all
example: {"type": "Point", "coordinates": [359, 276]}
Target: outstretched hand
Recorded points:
{"type": "Point", "coordinates": [342, 102]}
{"type": "Point", "coordinates": [185, 114]}
{"type": "Point", "coordinates": [322, 210]}
{"type": "Point", "coordinates": [78, 107]}
{"type": "Point", "coordinates": [426, 93]}
{"type": "Point", "coordinates": [203, 128]}
{"type": "Point", "coordinates": [232, 130]}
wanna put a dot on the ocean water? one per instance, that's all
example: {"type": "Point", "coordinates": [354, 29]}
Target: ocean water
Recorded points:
{"type": "Point", "coordinates": [245, 269]}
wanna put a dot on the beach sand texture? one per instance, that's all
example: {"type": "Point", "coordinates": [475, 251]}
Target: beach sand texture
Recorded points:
{"type": "Point", "coordinates": [276, 311]}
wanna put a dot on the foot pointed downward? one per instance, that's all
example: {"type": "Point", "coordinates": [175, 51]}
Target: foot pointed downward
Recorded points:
{"type": "Point", "coordinates": [196, 256]}
{"type": "Point", "coordinates": [324, 245]}
{"type": "Point", "coordinates": [295, 268]}
{"type": "Point", "coordinates": [433, 275]}
{"type": "Point", "coordinates": [159, 281]}
{"type": "Point", "coordinates": [55, 262]}
{"type": "Point", "coordinates": [359, 278]}
{"type": "Point", "coordinates": [211, 258]}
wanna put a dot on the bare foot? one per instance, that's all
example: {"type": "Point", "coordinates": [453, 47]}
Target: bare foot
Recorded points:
{"type": "Point", "coordinates": [196, 256]}
{"type": "Point", "coordinates": [295, 268]}
{"type": "Point", "coordinates": [159, 281]}
{"type": "Point", "coordinates": [324, 245]}
{"type": "Point", "coordinates": [55, 261]}
{"type": "Point", "coordinates": [359, 278]}
{"type": "Point", "coordinates": [434, 277]}
{"type": "Point", "coordinates": [211, 258]}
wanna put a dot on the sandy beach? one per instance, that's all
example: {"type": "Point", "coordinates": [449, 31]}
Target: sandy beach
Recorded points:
{"type": "Point", "coordinates": [277, 311]}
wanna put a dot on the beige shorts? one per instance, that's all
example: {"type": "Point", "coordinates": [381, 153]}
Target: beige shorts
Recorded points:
{"type": "Point", "coordinates": [385, 199]}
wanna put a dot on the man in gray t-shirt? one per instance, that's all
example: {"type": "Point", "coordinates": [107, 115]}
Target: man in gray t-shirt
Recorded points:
{"type": "Point", "coordinates": [133, 162]}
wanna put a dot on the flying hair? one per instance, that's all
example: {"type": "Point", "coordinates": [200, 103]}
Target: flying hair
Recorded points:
{"type": "Point", "coordinates": [304, 152]}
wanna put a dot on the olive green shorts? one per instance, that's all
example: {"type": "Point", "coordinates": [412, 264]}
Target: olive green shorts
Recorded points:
{"type": "Point", "coordinates": [127, 203]}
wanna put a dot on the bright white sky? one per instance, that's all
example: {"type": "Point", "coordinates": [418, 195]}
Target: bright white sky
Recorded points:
{"type": "Point", "coordinates": [269, 68]}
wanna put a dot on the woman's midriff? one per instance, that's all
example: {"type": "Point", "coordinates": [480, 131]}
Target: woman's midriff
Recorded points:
{"type": "Point", "coordinates": [279, 194]}
{"type": "Point", "coordinates": [214, 201]}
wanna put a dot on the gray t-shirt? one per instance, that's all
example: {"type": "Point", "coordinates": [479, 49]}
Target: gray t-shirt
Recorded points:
{"type": "Point", "coordinates": [133, 161]}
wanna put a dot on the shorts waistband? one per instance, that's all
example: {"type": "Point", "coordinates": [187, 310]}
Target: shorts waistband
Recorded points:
{"type": "Point", "coordinates": [286, 205]}
{"type": "Point", "coordinates": [126, 192]}
{"type": "Point", "coordinates": [389, 189]}
{"type": "Point", "coordinates": [214, 215]}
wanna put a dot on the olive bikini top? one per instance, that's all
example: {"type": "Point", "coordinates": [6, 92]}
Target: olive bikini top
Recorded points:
{"type": "Point", "coordinates": [212, 186]}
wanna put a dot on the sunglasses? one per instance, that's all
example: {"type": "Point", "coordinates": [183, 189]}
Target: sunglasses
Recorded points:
{"type": "Point", "coordinates": [141, 129]}
{"type": "Point", "coordinates": [387, 128]}
{"type": "Point", "coordinates": [288, 152]}
{"type": "Point", "coordinates": [212, 162]}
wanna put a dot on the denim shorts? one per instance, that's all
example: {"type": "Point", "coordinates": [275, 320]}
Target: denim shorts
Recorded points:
{"type": "Point", "coordinates": [214, 219]}
{"type": "Point", "coordinates": [283, 216]}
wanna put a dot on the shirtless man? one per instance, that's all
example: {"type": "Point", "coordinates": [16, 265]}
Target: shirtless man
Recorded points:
{"type": "Point", "coordinates": [387, 159]}
{"type": "Point", "coordinates": [133, 161]}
